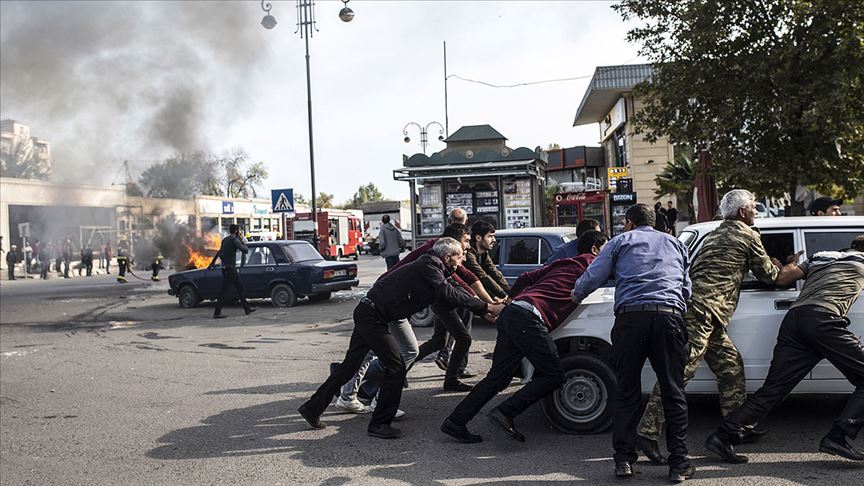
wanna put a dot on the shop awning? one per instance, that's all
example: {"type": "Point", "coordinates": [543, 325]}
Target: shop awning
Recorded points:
{"type": "Point", "coordinates": [482, 169]}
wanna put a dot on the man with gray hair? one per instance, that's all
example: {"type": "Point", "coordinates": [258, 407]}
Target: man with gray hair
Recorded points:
{"type": "Point", "coordinates": [394, 296]}
{"type": "Point", "coordinates": [731, 251]}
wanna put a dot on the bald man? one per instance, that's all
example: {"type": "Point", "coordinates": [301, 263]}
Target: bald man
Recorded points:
{"type": "Point", "coordinates": [458, 215]}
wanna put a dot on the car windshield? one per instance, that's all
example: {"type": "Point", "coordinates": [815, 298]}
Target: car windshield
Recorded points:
{"type": "Point", "coordinates": [568, 237]}
{"type": "Point", "coordinates": [301, 252]}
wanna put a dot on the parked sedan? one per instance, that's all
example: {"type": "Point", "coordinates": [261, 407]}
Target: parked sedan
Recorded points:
{"type": "Point", "coordinates": [584, 403]}
{"type": "Point", "coordinates": [282, 271]}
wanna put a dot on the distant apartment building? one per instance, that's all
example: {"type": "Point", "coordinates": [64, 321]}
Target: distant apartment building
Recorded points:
{"type": "Point", "coordinates": [23, 155]}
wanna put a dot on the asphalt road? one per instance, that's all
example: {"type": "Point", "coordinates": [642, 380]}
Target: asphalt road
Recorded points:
{"type": "Point", "coordinates": [102, 383]}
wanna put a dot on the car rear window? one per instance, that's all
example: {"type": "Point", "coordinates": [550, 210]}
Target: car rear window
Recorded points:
{"type": "Point", "coordinates": [301, 252]}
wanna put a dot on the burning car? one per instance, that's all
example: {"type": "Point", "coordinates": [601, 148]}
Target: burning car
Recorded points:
{"type": "Point", "coordinates": [282, 271]}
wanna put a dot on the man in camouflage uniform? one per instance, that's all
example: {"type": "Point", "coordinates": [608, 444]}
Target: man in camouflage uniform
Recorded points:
{"type": "Point", "coordinates": [729, 252]}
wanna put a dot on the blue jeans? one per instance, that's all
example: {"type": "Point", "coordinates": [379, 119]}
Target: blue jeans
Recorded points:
{"type": "Point", "coordinates": [371, 373]}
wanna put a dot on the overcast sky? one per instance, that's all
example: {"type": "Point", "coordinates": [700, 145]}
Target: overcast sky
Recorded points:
{"type": "Point", "coordinates": [113, 81]}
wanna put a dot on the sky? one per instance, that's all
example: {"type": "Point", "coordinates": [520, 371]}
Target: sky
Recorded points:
{"type": "Point", "coordinates": [109, 81]}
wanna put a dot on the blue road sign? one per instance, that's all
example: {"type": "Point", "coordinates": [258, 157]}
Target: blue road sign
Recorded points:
{"type": "Point", "coordinates": [282, 200]}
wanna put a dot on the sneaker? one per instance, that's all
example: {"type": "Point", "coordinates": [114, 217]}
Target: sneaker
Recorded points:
{"type": "Point", "coordinates": [399, 412]}
{"type": "Point", "coordinates": [353, 406]}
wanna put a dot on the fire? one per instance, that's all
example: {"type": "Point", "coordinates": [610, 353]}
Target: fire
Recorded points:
{"type": "Point", "coordinates": [200, 253]}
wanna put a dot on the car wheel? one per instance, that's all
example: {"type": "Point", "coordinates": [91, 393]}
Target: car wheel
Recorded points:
{"type": "Point", "coordinates": [583, 404]}
{"type": "Point", "coordinates": [424, 318]}
{"type": "Point", "coordinates": [339, 254]}
{"type": "Point", "coordinates": [320, 297]}
{"type": "Point", "coordinates": [283, 295]}
{"type": "Point", "coordinates": [188, 297]}
{"type": "Point", "coordinates": [357, 254]}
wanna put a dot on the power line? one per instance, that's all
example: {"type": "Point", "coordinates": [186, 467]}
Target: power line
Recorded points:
{"type": "Point", "coordinates": [528, 83]}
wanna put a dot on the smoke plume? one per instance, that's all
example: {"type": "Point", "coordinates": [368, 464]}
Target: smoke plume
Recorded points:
{"type": "Point", "coordinates": [112, 81]}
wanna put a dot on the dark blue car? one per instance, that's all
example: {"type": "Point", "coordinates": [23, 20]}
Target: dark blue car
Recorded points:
{"type": "Point", "coordinates": [282, 271]}
{"type": "Point", "coordinates": [521, 250]}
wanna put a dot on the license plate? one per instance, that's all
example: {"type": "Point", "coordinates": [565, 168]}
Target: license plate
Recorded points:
{"type": "Point", "coordinates": [340, 273]}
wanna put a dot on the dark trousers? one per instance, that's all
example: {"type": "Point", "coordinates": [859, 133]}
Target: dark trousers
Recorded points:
{"type": "Point", "coordinates": [520, 334]}
{"type": "Point", "coordinates": [11, 271]}
{"type": "Point", "coordinates": [806, 336]}
{"type": "Point", "coordinates": [662, 339]}
{"type": "Point", "coordinates": [67, 261]}
{"type": "Point", "coordinates": [230, 278]}
{"type": "Point", "coordinates": [391, 260]}
{"type": "Point", "coordinates": [370, 332]}
{"type": "Point", "coordinates": [467, 318]}
{"type": "Point", "coordinates": [44, 264]}
{"type": "Point", "coordinates": [447, 320]}
{"type": "Point", "coordinates": [121, 268]}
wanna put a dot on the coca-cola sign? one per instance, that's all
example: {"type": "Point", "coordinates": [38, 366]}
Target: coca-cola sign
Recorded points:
{"type": "Point", "coordinates": [570, 196]}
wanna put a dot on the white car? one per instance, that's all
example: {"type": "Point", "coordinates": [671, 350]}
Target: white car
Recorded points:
{"type": "Point", "coordinates": [583, 405]}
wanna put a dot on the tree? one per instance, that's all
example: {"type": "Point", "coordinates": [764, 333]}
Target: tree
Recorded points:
{"type": "Point", "coordinates": [228, 174]}
{"type": "Point", "coordinates": [300, 199]}
{"type": "Point", "coordinates": [678, 177]}
{"type": "Point", "coordinates": [242, 179]}
{"type": "Point", "coordinates": [22, 161]}
{"type": "Point", "coordinates": [771, 88]}
{"type": "Point", "coordinates": [363, 195]}
{"type": "Point", "coordinates": [324, 200]}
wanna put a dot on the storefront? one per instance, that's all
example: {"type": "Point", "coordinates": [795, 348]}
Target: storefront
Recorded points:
{"type": "Point", "coordinates": [216, 214]}
{"type": "Point", "coordinates": [480, 174]}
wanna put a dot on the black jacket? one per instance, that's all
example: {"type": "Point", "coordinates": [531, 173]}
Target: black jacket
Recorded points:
{"type": "Point", "coordinates": [415, 286]}
{"type": "Point", "coordinates": [228, 251]}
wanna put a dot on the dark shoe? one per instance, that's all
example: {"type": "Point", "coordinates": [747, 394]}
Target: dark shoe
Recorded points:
{"type": "Point", "coordinates": [457, 386]}
{"type": "Point", "coordinates": [250, 310]}
{"type": "Point", "coordinates": [623, 469]}
{"type": "Point", "coordinates": [724, 450]}
{"type": "Point", "coordinates": [651, 449]}
{"type": "Point", "coordinates": [384, 432]}
{"type": "Point", "coordinates": [313, 420]}
{"type": "Point", "coordinates": [467, 374]}
{"type": "Point", "coordinates": [459, 432]}
{"type": "Point", "coordinates": [219, 316]}
{"type": "Point", "coordinates": [441, 363]}
{"type": "Point", "coordinates": [679, 475]}
{"type": "Point", "coordinates": [838, 448]}
{"type": "Point", "coordinates": [505, 423]}
{"type": "Point", "coordinates": [753, 434]}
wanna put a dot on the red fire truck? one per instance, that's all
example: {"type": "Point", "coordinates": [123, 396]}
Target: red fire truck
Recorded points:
{"type": "Point", "coordinates": [340, 232]}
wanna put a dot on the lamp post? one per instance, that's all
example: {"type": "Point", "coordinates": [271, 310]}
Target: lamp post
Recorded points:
{"type": "Point", "coordinates": [306, 26]}
{"type": "Point", "coordinates": [424, 133]}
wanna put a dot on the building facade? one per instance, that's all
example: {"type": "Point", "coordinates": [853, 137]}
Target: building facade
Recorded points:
{"type": "Point", "coordinates": [22, 154]}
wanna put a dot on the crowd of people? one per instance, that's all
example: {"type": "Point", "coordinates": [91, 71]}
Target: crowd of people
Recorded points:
{"type": "Point", "coordinates": [668, 309]}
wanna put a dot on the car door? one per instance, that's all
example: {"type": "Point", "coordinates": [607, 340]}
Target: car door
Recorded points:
{"type": "Point", "coordinates": [258, 271]}
{"type": "Point", "coordinates": [834, 239]}
{"type": "Point", "coordinates": [761, 308]}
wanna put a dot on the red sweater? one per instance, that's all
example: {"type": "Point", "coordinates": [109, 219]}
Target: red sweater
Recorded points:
{"type": "Point", "coordinates": [461, 276]}
{"type": "Point", "coordinates": [548, 288]}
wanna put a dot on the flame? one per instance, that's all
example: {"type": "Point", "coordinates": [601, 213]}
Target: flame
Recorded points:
{"type": "Point", "coordinates": [200, 253]}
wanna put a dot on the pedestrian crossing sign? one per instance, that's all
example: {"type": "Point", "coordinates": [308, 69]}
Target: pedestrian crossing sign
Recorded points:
{"type": "Point", "coordinates": [282, 201]}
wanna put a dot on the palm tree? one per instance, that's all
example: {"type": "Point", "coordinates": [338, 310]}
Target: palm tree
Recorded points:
{"type": "Point", "coordinates": [324, 200]}
{"type": "Point", "coordinates": [678, 177]}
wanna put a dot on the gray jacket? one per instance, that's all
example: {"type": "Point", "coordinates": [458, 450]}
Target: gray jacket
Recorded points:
{"type": "Point", "coordinates": [390, 242]}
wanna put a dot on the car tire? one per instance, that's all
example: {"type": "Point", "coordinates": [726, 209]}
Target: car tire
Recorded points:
{"type": "Point", "coordinates": [339, 255]}
{"type": "Point", "coordinates": [583, 404]}
{"type": "Point", "coordinates": [356, 253]}
{"type": "Point", "coordinates": [188, 297]}
{"type": "Point", "coordinates": [424, 318]}
{"type": "Point", "coordinates": [320, 297]}
{"type": "Point", "coordinates": [283, 295]}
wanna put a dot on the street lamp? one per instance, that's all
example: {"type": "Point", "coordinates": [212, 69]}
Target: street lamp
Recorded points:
{"type": "Point", "coordinates": [305, 25]}
{"type": "Point", "coordinates": [424, 131]}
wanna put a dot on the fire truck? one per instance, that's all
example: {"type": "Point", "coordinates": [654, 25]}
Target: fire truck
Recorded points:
{"type": "Point", "coordinates": [340, 232]}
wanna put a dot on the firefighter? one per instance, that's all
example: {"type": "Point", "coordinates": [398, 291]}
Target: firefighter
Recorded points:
{"type": "Point", "coordinates": [156, 266]}
{"type": "Point", "coordinates": [87, 259]}
{"type": "Point", "coordinates": [122, 259]}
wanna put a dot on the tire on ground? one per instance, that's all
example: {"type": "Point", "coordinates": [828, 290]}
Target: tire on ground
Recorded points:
{"type": "Point", "coordinates": [583, 404]}
{"type": "Point", "coordinates": [283, 295]}
{"type": "Point", "coordinates": [424, 318]}
{"type": "Point", "coordinates": [188, 297]}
